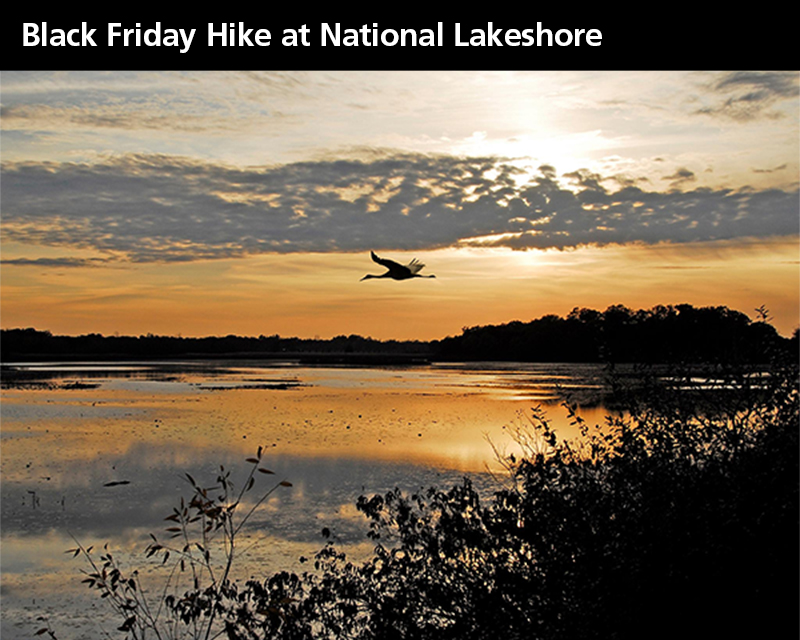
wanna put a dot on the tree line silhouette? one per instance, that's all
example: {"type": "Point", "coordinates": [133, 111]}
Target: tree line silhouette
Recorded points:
{"type": "Point", "coordinates": [668, 334]}
{"type": "Point", "coordinates": [665, 333]}
{"type": "Point", "coordinates": [34, 344]}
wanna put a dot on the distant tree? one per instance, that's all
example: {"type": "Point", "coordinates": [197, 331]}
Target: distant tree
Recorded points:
{"type": "Point", "coordinates": [666, 334]}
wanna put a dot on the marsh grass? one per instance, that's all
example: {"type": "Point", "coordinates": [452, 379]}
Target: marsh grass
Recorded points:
{"type": "Point", "coordinates": [198, 553]}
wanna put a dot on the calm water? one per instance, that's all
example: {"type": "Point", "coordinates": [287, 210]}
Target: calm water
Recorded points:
{"type": "Point", "coordinates": [335, 433]}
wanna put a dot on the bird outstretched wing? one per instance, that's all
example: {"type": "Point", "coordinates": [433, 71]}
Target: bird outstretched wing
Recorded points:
{"type": "Point", "coordinates": [415, 266]}
{"type": "Point", "coordinates": [389, 264]}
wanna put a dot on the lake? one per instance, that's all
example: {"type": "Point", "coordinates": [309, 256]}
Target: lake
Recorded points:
{"type": "Point", "coordinates": [99, 452]}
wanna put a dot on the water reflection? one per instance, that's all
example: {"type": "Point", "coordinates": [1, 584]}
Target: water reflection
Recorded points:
{"type": "Point", "coordinates": [106, 460]}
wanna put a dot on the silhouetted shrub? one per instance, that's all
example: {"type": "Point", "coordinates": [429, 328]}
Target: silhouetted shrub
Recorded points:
{"type": "Point", "coordinates": [678, 520]}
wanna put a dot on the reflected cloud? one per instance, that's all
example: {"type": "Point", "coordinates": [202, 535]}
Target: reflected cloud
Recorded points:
{"type": "Point", "coordinates": [123, 497]}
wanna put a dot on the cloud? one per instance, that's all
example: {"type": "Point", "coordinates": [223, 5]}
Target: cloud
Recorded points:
{"type": "Point", "coordinates": [781, 167]}
{"type": "Point", "coordinates": [95, 108]}
{"type": "Point", "coordinates": [158, 208]}
{"type": "Point", "coordinates": [26, 117]}
{"type": "Point", "coordinates": [681, 177]}
{"type": "Point", "coordinates": [55, 262]}
{"type": "Point", "coordinates": [748, 95]}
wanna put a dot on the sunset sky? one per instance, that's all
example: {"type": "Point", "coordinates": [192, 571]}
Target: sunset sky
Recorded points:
{"type": "Point", "coordinates": [214, 203]}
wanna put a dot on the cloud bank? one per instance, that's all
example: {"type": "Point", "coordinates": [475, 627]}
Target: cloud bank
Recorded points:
{"type": "Point", "coordinates": [154, 208]}
{"type": "Point", "coordinates": [749, 95]}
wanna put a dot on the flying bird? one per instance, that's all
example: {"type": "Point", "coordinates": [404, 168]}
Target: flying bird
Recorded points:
{"type": "Point", "coordinates": [397, 271]}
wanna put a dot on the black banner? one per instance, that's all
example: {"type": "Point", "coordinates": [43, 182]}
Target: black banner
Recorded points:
{"type": "Point", "coordinates": [570, 41]}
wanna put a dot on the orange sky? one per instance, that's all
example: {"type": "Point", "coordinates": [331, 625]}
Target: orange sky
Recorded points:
{"type": "Point", "coordinates": [311, 295]}
{"type": "Point", "coordinates": [213, 203]}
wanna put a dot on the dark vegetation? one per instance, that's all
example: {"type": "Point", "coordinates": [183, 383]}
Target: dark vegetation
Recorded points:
{"type": "Point", "coordinates": [676, 518]}
{"type": "Point", "coordinates": [31, 344]}
{"type": "Point", "coordinates": [679, 519]}
{"type": "Point", "coordinates": [665, 334]}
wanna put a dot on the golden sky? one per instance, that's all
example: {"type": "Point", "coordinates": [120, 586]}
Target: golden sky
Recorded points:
{"type": "Point", "coordinates": [209, 203]}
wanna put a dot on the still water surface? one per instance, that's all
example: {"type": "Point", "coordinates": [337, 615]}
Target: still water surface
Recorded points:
{"type": "Point", "coordinates": [100, 452]}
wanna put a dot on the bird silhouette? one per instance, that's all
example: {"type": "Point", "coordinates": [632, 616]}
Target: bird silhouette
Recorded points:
{"type": "Point", "coordinates": [397, 271]}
